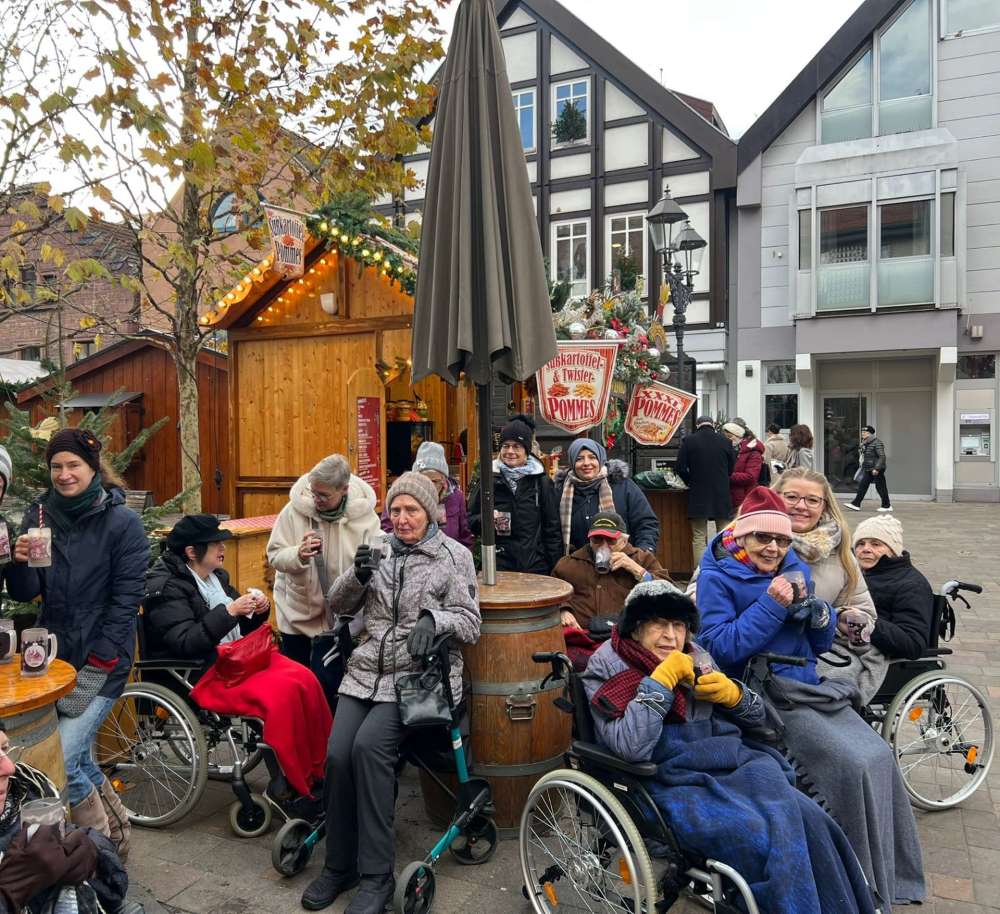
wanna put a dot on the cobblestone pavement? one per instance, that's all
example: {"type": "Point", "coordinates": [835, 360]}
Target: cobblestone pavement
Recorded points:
{"type": "Point", "coordinates": [198, 866]}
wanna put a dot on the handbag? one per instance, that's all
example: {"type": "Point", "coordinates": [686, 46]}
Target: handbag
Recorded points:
{"type": "Point", "coordinates": [421, 699]}
{"type": "Point", "coordinates": [859, 474]}
{"type": "Point", "coordinates": [239, 660]}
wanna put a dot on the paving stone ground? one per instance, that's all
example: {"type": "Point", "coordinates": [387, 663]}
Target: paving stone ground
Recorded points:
{"type": "Point", "coordinates": [197, 866]}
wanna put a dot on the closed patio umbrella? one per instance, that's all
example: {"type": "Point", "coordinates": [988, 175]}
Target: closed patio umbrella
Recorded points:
{"type": "Point", "coordinates": [482, 303]}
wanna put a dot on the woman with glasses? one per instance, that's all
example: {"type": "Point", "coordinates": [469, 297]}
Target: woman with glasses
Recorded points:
{"type": "Point", "coordinates": [753, 594]}
{"type": "Point", "coordinates": [330, 512]}
{"type": "Point", "coordinates": [822, 539]}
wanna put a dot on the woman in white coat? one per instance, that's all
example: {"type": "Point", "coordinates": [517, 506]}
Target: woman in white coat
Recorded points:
{"type": "Point", "coordinates": [330, 512]}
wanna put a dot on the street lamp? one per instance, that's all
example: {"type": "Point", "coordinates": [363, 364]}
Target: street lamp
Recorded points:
{"type": "Point", "coordinates": [682, 253]}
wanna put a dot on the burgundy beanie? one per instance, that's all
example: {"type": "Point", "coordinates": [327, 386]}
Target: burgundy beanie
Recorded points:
{"type": "Point", "coordinates": [763, 511]}
{"type": "Point", "coordinates": [80, 441]}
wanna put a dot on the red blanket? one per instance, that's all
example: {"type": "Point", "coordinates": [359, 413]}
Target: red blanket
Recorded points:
{"type": "Point", "coordinates": [290, 701]}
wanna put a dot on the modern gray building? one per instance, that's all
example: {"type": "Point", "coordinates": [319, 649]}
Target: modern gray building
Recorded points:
{"type": "Point", "coordinates": [867, 254]}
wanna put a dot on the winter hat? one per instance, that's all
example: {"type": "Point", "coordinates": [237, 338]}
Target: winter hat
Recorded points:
{"type": "Point", "coordinates": [884, 527]}
{"type": "Point", "coordinates": [6, 470]}
{"type": "Point", "coordinates": [704, 420]}
{"type": "Point", "coordinates": [430, 456]}
{"type": "Point", "coordinates": [79, 441]}
{"type": "Point", "coordinates": [417, 486]}
{"type": "Point", "coordinates": [520, 429]}
{"type": "Point", "coordinates": [194, 530]}
{"type": "Point", "coordinates": [870, 429]}
{"type": "Point", "coordinates": [578, 444]}
{"type": "Point", "coordinates": [657, 600]}
{"type": "Point", "coordinates": [734, 428]}
{"type": "Point", "coordinates": [763, 511]}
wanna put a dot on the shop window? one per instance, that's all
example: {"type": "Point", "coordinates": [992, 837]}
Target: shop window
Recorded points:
{"type": "Point", "coordinates": [847, 107]}
{"type": "Point", "coordinates": [947, 225]}
{"type": "Point", "coordinates": [627, 237]}
{"type": "Point", "coordinates": [781, 373]}
{"type": "Point", "coordinates": [781, 409]}
{"type": "Point", "coordinates": [906, 268]}
{"type": "Point", "coordinates": [524, 109]}
{"type": "Point", "coordinates": [842, 277]}
{"type": "Point", "coordinates": [805, 239]}
{"type": "Point", "coordinates": [968, 15]}
{"type": "Point", "coordinates": [905, 72]}
{"type": "Point", "coordinates": [977, 367]}
{"type": "Point", "coordinates": [571, 263]}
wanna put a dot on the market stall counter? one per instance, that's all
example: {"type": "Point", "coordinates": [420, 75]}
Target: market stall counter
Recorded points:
{"type": "Point", "coordinates": [674, 549]}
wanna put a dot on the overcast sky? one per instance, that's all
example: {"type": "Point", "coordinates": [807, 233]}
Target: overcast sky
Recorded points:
{"type": "Point", "coordinates": [737, 53]}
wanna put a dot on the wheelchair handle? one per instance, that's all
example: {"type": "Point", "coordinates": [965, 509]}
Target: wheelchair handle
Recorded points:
{"type": "Point", "coordinates": [561, 664]}
{"type": "Point", "coordinates": [954, 586]}
{"type": "Point", "coordinates": [772, 659]}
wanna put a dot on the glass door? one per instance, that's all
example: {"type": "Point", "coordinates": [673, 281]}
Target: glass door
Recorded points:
{"type": "Point", "coordinates": [843, 417]}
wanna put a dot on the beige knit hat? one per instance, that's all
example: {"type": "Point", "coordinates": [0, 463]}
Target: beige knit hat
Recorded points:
{"type": "Point", "coordinates": [734, 428]}
{"type": "Point", "coordinates": [883, 527]}
{"type": "Point", "coordinates": [417, 486]}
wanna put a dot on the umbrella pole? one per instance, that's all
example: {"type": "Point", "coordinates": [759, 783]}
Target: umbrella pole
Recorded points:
{"type": "Point", "coordinates": [484, 394]}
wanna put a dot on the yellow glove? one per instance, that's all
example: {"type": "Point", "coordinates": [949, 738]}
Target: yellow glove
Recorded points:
{"type": "Point", "coordinates": [719, 689]}
{"type": "Point", "coordinates": [675, 669]}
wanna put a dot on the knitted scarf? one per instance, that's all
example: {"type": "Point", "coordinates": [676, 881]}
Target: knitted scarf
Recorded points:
{"type": "Point", "coordinates": [819, 543]}
{"type": "Point", "coordinates": [612, 698]}
{"type": "Point", "coordinates": [67, 511]}
{"type": "Point", "coordinates": [607, 501]}
{"type": "Point", "coordinates": [513, 475]}
{"type": "Point", "coordinates": [737, 551]}
{"type": "Point", "coordinates": [335, 513]}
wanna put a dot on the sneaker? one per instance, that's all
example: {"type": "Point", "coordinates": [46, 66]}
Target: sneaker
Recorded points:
{"type": "Point", "coordinates": [884, 510]}
{"type": "Point", "coordinates": [324, 889]}
{"type": "Point", "coordinates": [852, 506]}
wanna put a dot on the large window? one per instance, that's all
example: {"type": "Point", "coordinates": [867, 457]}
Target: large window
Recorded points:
{"type": "Point", "coordinates": [977, 367]}
{"type": "Point", "coordinates": [524, 108]}
{"type": "Point", "coordinates": [901, 56]}
{"type": "Point", "coordinates": [967, 15]}
{"type": "Point", "coordinates": [805, 239]}
{"type": "Point", "coordinates": [571, 260]}
{"type": "Point", "coordinates": [575, 93]}
{"type": "Point", "coordinates": [627, 238]}
{"type": "Point", "coordinates": [906, 268]}
{"type": "Point", "coordinates": [842, 277]}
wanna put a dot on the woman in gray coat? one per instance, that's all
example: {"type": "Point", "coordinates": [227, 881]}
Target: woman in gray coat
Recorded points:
{"type": "Point", "coordinates": [424, 586]}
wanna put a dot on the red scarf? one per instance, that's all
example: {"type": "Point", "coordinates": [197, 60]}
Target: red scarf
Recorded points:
{"type": "Point", "coordinates": [612, 698]}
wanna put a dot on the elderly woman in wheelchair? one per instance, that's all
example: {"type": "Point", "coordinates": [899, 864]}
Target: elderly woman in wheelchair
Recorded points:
{"type": "Point", "coordinates": [655, 695]}
{"type": "Point", "coordinates": [191, 613]}
{"type": "Point", "coordinates": [754, 594]}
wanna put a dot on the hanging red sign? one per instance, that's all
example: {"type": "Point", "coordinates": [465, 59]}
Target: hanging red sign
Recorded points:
{"type": "Point", "coordinates": [370, 442]}
{"type": "Point", "coordinates": [573, 388]}
{"type": "Point", "coordinates": [656, 411]}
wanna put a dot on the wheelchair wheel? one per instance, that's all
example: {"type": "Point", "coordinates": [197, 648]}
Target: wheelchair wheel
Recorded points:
{"type": "Point", "coordinates": [249, 823]}
{"type": "Point", "coordinates": [477, 843]}
{"type": "Point", "coordinates": [289, 852]}
{"type": "Point", "coordinates": [152, 745]}
{"type": "Point", "coordinates": [414, 889]}
{"type": "Point", "coordinates": [580, 851]}
{"type": "Point", "coordinates": [940, 728]}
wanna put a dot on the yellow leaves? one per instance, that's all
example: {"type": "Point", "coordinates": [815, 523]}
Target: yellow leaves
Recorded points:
{"type": "Point", "coordinates": [201, 156]}
{"type": "Point", "coordinates": [75, 218]}
{"type": "Point", "coordinates": [55, 203]}
{"type": "Point", "coordinates": [161, 82]}
{"type": "Point", "coordinates": [87, 322]}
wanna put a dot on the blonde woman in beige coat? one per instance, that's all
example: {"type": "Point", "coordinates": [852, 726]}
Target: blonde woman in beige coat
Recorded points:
{"type": "Point", "coordinates": [822, 540]}
{"type": "Point", "coordinates": [330, 512]}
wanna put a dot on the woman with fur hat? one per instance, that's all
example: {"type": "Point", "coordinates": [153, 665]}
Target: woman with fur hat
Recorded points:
{"type": "Point", "coordinates": [750, 606]}
{"type": "Point", "coordinates": [657, 696]}
{"type": "Point", "coordinates": [903, 596]}
{"type": "Point", "coordinates": [526, 513]}
{"type": "Point", "coordinates": [593, 483]}
{"type": "Point", "coordinates": [90, 599]}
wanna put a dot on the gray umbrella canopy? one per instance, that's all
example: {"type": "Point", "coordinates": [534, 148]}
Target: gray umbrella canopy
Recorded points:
{"type": "Point", "coordinates": [482, 301]}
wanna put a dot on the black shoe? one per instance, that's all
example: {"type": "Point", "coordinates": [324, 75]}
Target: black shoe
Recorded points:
{"type": "Point", "coordinates": [324, 889]}
{"type": "Point", "coordinates": [373, 896]}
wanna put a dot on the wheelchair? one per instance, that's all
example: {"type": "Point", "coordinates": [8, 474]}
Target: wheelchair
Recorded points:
{"type": "Point", "coordinates": [938, 724]}
{"type": "Point", "coordinates": [471, 837]}
{"type": "Point", "coordinates": [159, 749]}
{"type": "Point", "coordinates": [590, 832]}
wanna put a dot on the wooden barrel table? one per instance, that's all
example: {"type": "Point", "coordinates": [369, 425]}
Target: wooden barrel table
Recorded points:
{"type": "Point", "coordinates": [28, 709]}
{"type": "Point", "coordinates": [517, 732]}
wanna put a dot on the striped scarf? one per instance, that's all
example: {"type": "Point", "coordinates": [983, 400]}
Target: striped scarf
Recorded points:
{"type": "Point", "coordinates": [735, 549]}
{"type": "Point", "coordinates": [607, 501]}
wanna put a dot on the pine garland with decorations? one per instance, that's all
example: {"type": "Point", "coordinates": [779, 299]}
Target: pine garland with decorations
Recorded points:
{"type": "Point", "coordinates": [348, 223]}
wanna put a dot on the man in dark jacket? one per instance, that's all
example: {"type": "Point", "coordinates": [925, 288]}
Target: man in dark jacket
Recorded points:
{"type": "Point", "coordinates": [705, 462]}
{"type": "Point", "coordinates": [872, 470]}
{"type": "Point", "coordinates": [902, 595]}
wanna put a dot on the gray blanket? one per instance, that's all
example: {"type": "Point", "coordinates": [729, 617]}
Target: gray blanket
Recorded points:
{"type": "Point", "coordinates": [855, 775]}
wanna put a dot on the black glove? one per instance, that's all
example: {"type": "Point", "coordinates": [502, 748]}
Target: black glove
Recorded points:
{"type": "Point", "coordinates": [421, 639]}
{"type": "Point", "coordinates": [365, 563]}
{"type": "Point", "coordinates": [81, 857]}
{"type": "Point", "coordinates": [30, 867]}
{"type": "Point", "coordinates": [812, 610]}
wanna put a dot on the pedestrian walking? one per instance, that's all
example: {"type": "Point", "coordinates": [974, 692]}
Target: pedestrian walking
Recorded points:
{"type": "Point", "coordinates": [746, 473]}
{"type": "Point", "coordinates": [775, 448]}
{"type": "Point", "coordinates": [872, 469]}
{"type": "Point", "coordinates": [705, 462]}
{"type": "Point", "coordinates": [800, 448]}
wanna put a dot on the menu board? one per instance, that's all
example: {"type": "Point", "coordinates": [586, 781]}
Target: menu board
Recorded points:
{"type": "Point", "coordinates": [370, 442]}
{"type": "Point", "coordinates": [573, 388]}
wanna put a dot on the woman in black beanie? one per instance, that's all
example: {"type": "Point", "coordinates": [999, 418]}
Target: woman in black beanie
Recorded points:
{"type": "Point", "coordinates": [90, 598]}
{"type": "Point", "coordinates": [525, 510]}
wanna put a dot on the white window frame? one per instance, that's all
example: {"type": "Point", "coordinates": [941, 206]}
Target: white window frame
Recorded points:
{"type": "Point", "coordinates": [586, 80]}
{"type": "Point", "coordinates": [609, 250]}
{"type": "Point", "coordinates": [935, 247]}
{"type": "Point", "coordinates": [947, 34]}
{"type": "Point", "coordinates": [554, 259]}
{"type": "Point", "coordinates": [873, 45]}
{"type": "Point", "coordinates": [534, 116]}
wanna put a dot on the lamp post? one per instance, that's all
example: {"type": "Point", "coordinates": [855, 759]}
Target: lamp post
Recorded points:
{"type": "Point", "coordinates": [681, 250]}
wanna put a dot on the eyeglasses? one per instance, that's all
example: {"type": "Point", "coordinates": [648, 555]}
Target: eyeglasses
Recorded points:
{"type": "Point", "coordinates": [765, 539]}
{"type": "Point", "coordinates": [12, 752]}
{"type": "Point", "coordinates": [793, 498]}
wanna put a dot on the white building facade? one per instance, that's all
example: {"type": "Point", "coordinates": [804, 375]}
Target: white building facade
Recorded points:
{"type": "Point", "coordinates": [867, 250]}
